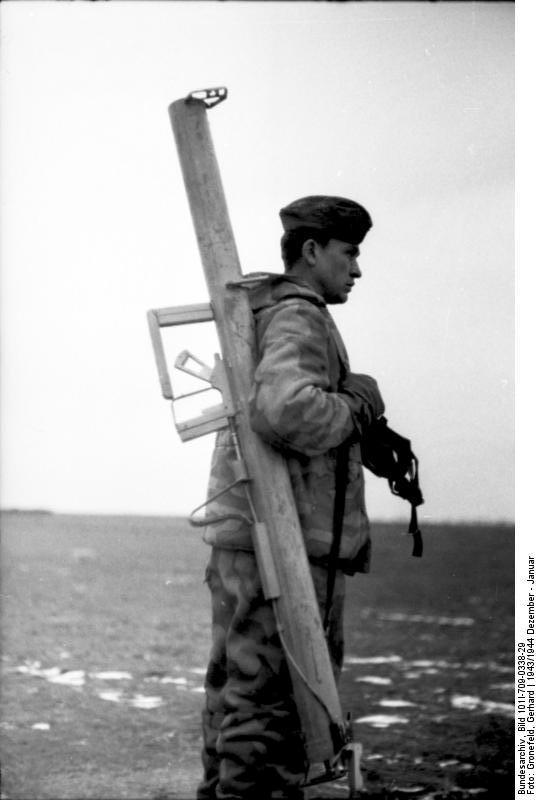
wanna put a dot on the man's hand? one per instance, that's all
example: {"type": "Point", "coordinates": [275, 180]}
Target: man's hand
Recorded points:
{"type": "Point", "coordinates": [389, 455]}
{"type": "Point", "coordinates": [364, 398]}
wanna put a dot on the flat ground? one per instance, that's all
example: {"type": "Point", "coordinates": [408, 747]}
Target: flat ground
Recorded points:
{"type": "Point", "coordinates": [106, 634]}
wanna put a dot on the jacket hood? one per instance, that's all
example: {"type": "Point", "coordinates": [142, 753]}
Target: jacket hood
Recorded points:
{"type": "Point", "coordinates": [266, 289]}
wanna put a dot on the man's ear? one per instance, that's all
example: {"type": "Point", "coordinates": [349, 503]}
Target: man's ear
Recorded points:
{"type": "Point", "coordinates": [309, 252]}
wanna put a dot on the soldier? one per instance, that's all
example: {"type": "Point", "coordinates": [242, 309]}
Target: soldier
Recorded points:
{"type": "Point", "coordinates": [306, 403]}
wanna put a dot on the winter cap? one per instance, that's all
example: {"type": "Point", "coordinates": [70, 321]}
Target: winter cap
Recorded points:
{"type": "Point", "coordinates": [341, 218]}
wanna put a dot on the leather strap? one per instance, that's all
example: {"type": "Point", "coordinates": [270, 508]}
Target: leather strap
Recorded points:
{"type": "Point", "coordinates": [342, 475]}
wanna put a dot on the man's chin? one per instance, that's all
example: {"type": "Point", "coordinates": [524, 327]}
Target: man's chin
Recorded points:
{"type": "Point", "coordinates": [337, 299]}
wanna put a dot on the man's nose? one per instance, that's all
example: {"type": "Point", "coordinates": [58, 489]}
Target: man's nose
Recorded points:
{"type": "Point", "coordinates": [356, 272]}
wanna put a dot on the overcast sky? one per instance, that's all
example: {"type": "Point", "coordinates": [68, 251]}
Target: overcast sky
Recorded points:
{"type": "Point", "coordinates": [405, 107]}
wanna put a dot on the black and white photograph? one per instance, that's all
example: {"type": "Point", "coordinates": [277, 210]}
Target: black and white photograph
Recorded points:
{"type": "Point", "coordinates": [258, 361]}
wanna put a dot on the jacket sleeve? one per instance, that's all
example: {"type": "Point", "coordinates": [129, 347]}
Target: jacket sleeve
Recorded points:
{"type": "Point", "coordinates": [292, 405]}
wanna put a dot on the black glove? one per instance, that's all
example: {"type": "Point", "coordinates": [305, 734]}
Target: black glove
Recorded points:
{"type": "Point", "coordinates": [389, 455]}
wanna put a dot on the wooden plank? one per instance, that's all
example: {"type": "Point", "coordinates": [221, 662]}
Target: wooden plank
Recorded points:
{"type": "Point", "coordinates": [210, 421]}
{"type": "Point", "coordinates": [160, 357]}
{"type": "Point", "coordinates": [184, 315]}
{"type": "Point", "coordinates": [271, 489]}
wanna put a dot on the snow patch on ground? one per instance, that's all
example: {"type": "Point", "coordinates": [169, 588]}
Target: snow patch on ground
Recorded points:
{"type": "Point", "coordinates": [381, 720]}
{"type": "Point", "coordinates": [73, 677]}
{"type": "Point", "coordinates": [144, 701]}
{"type": "Point", "coordinates": [427, 619]}
{"type": "Point", "coordinates": [467, 702]}
{"type": "Point", "coordinates": [374, 679]}
{"type": "Point", "coordinates": [112, 695]}
{"type": "Point", "coordinates": [138, 701]}
{"type": "Point", "coordinates": [78, 677]}
{"type": "Point", "coordinates": [389, 703]}
{"type": "Point", "coordinates": [393, 659]}
{"type": "Point", "coordinates": [111, 676]}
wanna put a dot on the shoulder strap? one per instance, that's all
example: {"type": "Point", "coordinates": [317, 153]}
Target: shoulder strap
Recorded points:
{"type": "Point", "coordinates": [342, 479]}
{"type": "Point", "coordinates": [342, 475]}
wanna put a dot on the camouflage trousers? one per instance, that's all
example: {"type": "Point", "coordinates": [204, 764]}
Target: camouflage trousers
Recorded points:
{"type": "Point", "coordinates": [252, 740]}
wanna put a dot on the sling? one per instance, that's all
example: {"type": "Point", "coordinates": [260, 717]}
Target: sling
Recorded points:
{"type": "Point", "coordinates": [342, 475]}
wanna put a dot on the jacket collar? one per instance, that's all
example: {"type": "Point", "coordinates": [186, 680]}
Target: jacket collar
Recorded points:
{"type": "Point", "coordinates": [268, 288]}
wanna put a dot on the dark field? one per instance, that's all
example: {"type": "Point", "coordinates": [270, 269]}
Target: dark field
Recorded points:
{"type": "Point", "coordinates": [106, 635]}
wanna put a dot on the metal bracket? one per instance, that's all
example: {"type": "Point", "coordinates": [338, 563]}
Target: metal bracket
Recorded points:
{"type": "Point", "coordinates": [345, 765]}
{"type": "Point", "coordinates": [210, 97]}
{"type": "Point", "coordinates": [240, 476]}
{"type": "Point", "coordinates": [352, 754]}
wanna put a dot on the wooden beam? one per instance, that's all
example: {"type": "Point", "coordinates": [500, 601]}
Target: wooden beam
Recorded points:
{"type": "Point", "coordinates": [315, 690]}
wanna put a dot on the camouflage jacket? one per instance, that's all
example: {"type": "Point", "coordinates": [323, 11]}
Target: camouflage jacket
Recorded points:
{"type": "Point", "coordinates": [296, 407]}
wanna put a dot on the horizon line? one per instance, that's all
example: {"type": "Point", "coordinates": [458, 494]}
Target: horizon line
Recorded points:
{"type": "Point", "coordinates": [403, 520]}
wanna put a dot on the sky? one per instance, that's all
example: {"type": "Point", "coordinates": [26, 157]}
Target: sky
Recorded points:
{"type": "Point", "coordinates": [406, 107]}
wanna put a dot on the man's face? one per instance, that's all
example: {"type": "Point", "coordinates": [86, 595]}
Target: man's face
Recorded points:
{"type": "Point", "coordinates": [335, 270]}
